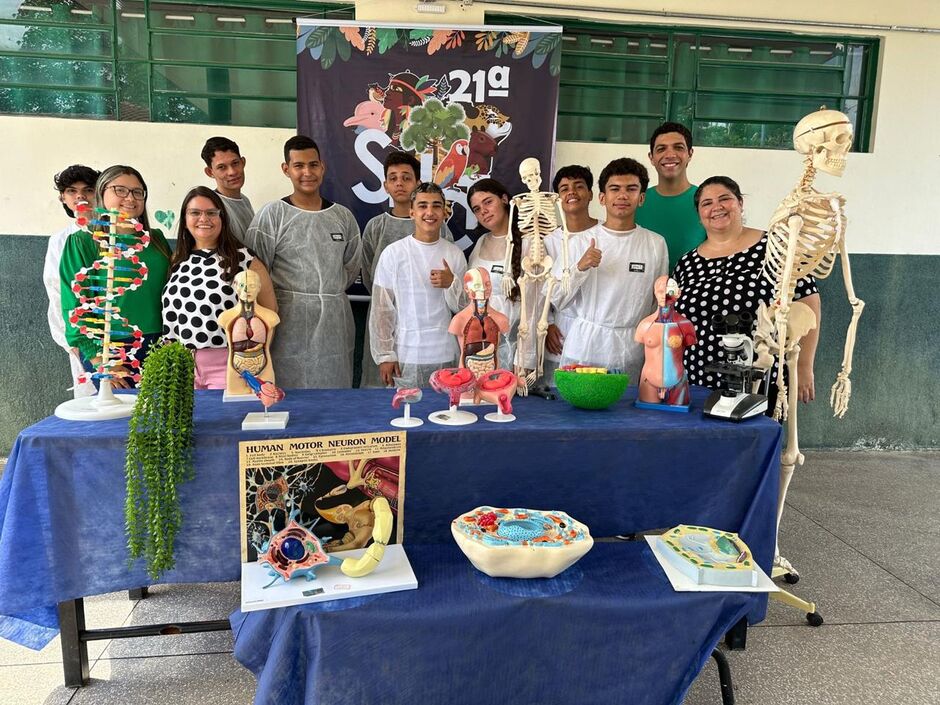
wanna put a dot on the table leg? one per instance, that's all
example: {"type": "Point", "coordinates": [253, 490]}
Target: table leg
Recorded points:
{"type": "Point", "coordinates": [74, 649]}
{"type": "Point", "coordinates": [724, 677]}
{"type": "Point", "coordinates": [137, 593]}
{"type": "Point", "coordinates": [736, 638]}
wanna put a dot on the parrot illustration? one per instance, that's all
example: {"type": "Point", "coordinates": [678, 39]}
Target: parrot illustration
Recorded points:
{"type": "Point", "coordinates": [453, 165]}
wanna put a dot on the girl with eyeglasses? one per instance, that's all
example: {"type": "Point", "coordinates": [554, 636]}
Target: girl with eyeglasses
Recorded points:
{"type": "Point", "coordinates": [206, 260]}
{"type": "Point", "coordinates": [118, 188]}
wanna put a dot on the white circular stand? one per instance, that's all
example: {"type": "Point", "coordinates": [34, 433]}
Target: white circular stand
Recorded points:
{"type": "Point", "coordinates": [453, 417]}
{"type": "Point", "coordinates": [406, 421]}
{"type": "Point", "coordinates": [104, 406]}
{"type": "Point", "coordinates": [499, 417]}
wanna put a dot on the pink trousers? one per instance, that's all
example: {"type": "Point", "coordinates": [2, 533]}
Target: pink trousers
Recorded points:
{"type": "Point", "coordinates": [211, 364]}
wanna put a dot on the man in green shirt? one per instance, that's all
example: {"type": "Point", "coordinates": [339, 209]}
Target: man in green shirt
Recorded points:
{"type": "Point", "coordinates": [669, 209]}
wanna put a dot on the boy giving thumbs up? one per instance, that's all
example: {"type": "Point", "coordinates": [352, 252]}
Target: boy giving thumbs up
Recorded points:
{"type": "Point", "coordinates": [416, 289]}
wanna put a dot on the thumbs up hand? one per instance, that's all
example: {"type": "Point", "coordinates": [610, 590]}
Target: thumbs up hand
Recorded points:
{"type": "Point", "coordinates": [442, 278]}
{"type": "Point", "coordinates": [590, 258]}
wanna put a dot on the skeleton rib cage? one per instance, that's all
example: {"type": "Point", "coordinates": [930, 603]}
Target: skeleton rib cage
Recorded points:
{"type": "Point", "coordinates": [818, 240]}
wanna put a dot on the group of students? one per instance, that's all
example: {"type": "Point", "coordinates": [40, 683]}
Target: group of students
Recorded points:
{"type": "Point", "coordinates": [308, 250]}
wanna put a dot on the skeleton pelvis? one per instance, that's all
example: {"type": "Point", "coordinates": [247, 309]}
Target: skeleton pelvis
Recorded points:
{"type": "Point", "coordinates": [537, 267]}
{"type": "Point", "coordinates": [252, 361]}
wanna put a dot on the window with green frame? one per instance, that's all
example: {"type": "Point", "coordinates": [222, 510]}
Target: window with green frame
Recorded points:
{"type": "Point", "coordinates": [731, 88]}
{"type": "Point", "coordinates": [232, 62]}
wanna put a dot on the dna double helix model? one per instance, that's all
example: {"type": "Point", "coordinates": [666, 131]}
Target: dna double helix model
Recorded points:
{"type": "Point", "coordinates": [99, 287]}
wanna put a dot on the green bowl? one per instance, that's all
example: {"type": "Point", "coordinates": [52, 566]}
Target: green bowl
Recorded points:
{"type": "Point", "coordinates": [590, 390]}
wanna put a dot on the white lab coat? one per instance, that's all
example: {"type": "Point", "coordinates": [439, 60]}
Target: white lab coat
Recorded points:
{"type": "Point", "coordinates": [606, 303]}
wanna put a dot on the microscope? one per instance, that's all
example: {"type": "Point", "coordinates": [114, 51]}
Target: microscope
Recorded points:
{"type": "Point", "coordinates": [736, 398]}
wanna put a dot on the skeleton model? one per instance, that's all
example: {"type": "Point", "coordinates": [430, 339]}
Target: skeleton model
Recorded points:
{"type": "Point", "coordinates": [540, 215]}
{"type": "Point", "coordinates": [806, 233]}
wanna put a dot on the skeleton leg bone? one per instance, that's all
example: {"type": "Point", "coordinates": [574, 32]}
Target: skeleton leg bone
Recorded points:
{"type": "Point", "coordinates": [522, 337]}
{"type": "Point", "coordinates": [543, 328]}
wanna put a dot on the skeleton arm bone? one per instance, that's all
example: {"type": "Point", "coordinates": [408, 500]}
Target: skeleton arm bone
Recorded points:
{"type": "Point", "coordinates": [783, 294]}
{"type": "Point", "coordinates": [842, 389]}
{"type": "Point", "coordinates": [566, 267]}
{"type": "Point", "coordinates": [508, 281]}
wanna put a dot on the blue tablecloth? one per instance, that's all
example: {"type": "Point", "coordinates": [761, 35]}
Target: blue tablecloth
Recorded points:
{"type": "Point", "coordinates": [608, 630]}
{"type": "Point", "coordinates": [619, 470]}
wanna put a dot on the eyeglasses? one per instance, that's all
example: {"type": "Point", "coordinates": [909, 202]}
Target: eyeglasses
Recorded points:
{"type": "Point", "coordinates": [123, 192]}
{"type": "Point", "coordinates": [196, 214]}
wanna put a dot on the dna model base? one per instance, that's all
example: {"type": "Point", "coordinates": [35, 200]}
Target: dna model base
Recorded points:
{"type": "Point", "coordinates": [105, 405]}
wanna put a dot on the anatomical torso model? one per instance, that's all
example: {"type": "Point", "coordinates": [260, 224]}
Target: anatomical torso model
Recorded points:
{"type": "Point", "coordinates": [249, 329]}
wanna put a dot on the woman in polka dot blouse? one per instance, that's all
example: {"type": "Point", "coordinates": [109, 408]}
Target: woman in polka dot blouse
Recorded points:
{"type": "Point", "coordinates": [723, 276]}
{"type": "Point", "coordinates": [206, 260]}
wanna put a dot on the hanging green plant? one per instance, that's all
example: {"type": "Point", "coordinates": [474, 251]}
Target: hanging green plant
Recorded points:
{"type": "Point", "coordinates": [159, 455]}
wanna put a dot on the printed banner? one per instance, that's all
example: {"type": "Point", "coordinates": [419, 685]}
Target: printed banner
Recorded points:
{"type": "Point", "coordinates": [324, 483]}
{"type": "Point", "coordinates": [469, 102]}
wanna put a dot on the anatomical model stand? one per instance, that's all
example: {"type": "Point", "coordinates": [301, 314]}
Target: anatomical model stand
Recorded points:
{"type": "Point", "coordinates": [269, 395]}
{"type": "Point", "coordinates": [664, 385]}
{"type": "Point", "coordinates": [540, 214]}
{"type": "Point", "coordinates": [98, 288]}
{"type": "Point", "coordinates": [805, 235]}
{"type": "Point", "coordinates": [249, 329]}
{"type": "Point", "coordinates": [478, 329]}
{"type": "Point", "coordinates": [408, 396]}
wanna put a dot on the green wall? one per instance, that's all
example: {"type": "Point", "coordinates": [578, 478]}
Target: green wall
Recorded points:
{"type": "Point", "coordinates": [888, 410]}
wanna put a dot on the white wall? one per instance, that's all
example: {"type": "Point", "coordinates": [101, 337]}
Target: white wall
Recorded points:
{"type": "Point", "coordinates": [891, 191]}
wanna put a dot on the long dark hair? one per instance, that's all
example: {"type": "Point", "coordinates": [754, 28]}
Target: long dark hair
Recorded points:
{"type": "Point", "coordinates": [109, 175]}
{"type": "Point", "coordinates": [227, 246]}
{"type": "Point", "coordinates": [497, 189]}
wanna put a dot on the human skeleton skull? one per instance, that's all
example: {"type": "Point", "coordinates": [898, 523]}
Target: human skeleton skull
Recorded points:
{"type": "Point", "coordinates": [826, 136]}
{"type": "Point", "coordinates": [531, 173]}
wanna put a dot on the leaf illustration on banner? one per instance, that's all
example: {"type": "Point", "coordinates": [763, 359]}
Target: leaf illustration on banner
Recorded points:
{"type": "Point", "coordinates": [548, 42]}
{"type": "Point", "coordinates": [329, 50]}
{"type": "Point", "coordinates": [554, 66]}
{"type": "Point", "coordinates": [543, 47]}
{"type": "Point", "coordinates": [370, 40]}
{"type": "Point", "coordinates": [519, 40]}
{"type": "Point", "coordinates": [420, 33]}
{"type": "Point", "coordinates": [485, 40]}
{"type": "Point", "coordinates": [343, 48]}
{"type": "Point", "coordinates": [316, 37]}
{"type": "Point", "coordinates": [437, 41]}
{"type": "Point", "coordinates": [353, 36]}
{"type": "Point", "coordinates": [387, 39]}
{"type": "Point", "coordinates": [455, 39]}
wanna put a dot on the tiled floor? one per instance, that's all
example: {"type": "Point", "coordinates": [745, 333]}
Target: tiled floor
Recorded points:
{"type": "Point", "coordinates": [853, 526]}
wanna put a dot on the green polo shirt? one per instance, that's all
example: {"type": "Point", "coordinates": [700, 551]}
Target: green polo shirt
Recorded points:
{"type": "Point", "coordinates": [140, 307]}
{"type": "Point", "coordinates": [675, 218]}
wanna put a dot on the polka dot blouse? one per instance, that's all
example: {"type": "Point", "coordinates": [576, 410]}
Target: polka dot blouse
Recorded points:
{"type": "Point", "coordinates": [722, 285]}
{"type": "Point", "coordinates": [195, 295]}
